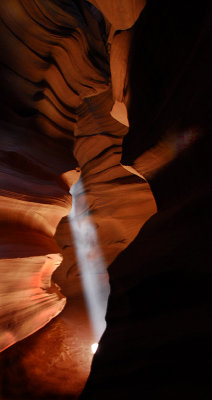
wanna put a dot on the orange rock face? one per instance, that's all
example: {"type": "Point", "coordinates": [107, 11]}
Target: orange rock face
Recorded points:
{"type": "Point", "coordinates": [55, 104]}
{"type": "Point", "coordinates": [122, 14]}
{"type": "Point", "coordinates": [45, 74]}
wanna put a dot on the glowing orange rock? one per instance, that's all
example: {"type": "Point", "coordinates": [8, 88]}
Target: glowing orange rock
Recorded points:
{"type": "Point", "coordinates": [122, 14]}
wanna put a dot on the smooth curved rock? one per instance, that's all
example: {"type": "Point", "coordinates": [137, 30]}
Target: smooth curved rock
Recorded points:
{"type": "Point", "coordinates": [47, 69]}
{"type": "Point", "coordinates": [158, 340]}
{"type": "Point", "coordinates": [56, 97]}
{"type": "Point", "coordinates": [32, 202]}
{"type": "Point", "coordinates": [122, 14]}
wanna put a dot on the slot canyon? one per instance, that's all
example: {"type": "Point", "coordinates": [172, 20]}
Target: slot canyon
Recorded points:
{"type": "Point", "coordinates": [105, 200]}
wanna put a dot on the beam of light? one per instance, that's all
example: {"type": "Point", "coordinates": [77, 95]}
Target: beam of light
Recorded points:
{"type": "Point", "coordinates": [91, 262]}
{"type": "Point", "coordinates": [94, 347]}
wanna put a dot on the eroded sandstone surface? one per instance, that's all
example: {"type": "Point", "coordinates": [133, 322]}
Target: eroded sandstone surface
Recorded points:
{"type": "Point", "coordinates": [56, 124]}
{"type": "Point", "coordinates": [75, 75]}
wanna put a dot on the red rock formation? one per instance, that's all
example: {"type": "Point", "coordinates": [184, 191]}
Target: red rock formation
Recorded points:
{"type": "Point", "coordinates": [56, 98]}
{"type": "Point", "coordinates": [45, 74]}
{"type": "Point", "coordinates": [158, 342]}
{"type": "Point", "coordinates": [121, 14]}
{"type": "Point", "coordinates": [65, 72]}
{"type": "Point", "coordinates": [33, 201]}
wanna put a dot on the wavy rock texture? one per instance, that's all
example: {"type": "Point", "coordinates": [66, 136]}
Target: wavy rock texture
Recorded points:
{"type": "Point", "coordinates": [118, 202]}
{"type": "Point", "coordinates": [47, 69]}
{"type": "Point", "coordinates": [32, 204]}
{"type": "Point", "coordinates": [158, 340]}
{"type": "Point", "coordinates": [56, 99]}
{"type": "Point", "coordinates": [65, 72]}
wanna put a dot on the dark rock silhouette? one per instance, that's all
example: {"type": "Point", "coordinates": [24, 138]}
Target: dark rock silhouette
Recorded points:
{"type": "Point", "coordinates": [74, 75]}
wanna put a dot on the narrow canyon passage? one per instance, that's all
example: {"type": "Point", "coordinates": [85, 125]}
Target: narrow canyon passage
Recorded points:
{"type": "Point", "coordinates": [105, 193]}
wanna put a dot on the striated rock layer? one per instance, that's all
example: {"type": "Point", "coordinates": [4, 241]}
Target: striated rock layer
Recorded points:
{"type": "Point", "coordinates": [33, 200]}
{"type": "Point", "coordinates": [65, 73]}
{"type": "Point", "coordinates": [56, 99]}
{"type": "Point", "coordinates": [158, 340]}
{"type": "Point", "coordinates": [47, 68]}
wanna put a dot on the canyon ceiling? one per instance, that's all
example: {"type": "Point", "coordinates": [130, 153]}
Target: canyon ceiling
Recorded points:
{"type": "Point", "coordinates": [105, 111]}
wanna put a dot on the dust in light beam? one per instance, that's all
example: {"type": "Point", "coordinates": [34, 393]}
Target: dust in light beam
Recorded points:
{"type": "Point", "coordinates": [90, 260]}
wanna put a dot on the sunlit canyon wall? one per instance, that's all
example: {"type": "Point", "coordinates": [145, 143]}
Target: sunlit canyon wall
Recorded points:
{"type": "Point", "coordinates": [69, 73]}
{"type": "Point", "coordinates": [56, 124]}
